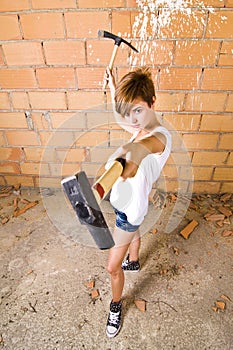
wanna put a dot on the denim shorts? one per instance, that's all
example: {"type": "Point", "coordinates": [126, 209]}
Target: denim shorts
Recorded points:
{"type": "Point", "coordinates": [123, 224]}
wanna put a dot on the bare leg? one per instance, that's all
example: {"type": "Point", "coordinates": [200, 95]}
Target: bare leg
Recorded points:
{"type": "Point", "coordinates": [116, 255]}
{"type": "Point", "coordinates": [134, 247]}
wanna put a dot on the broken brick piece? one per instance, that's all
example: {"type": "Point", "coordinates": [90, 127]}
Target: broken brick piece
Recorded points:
{"type": "Point", "coordinates": [154, 230]}
{"type": "Point", "coordinates": [189, 229]}
{"type": "Point", "coordinates": [227, 233]}
{"type": "Point", "coordinates": [95, 294]}
{"type": "Point", "coordinates": [220, 305]}
{"type": "Point", "coordinates": [215, 217]}
{"type": "Point", "coordinates": [225, 297]}
{"type": "Point", "coordinates": [225, 211]}
{"type": "Point", "coordinates": [90, 284]}
{"type": "Point", "coordinates": [141, 304]}
{"type": "Point", "coordinates": [225, 197]}
{"type": "Point", "coordinates": [5, 220]}
{"type": "Point", "coordinates": [21, 211]}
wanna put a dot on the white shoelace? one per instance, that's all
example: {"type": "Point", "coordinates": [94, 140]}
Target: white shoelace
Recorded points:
{"type": "Point", "coordinates": [113, 317]}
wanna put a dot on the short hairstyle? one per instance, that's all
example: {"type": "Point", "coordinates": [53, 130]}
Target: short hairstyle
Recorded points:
{"type": "Point", "coordinates": [133, 85]}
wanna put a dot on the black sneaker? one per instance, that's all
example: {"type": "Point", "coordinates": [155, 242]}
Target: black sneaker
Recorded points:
{"type": "Point", "coordinates": [130, 265]}
{"type": "Point", "coordinates": [114, 319]}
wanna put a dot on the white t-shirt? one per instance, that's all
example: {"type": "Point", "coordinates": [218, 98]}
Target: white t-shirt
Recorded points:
{"type": "Point", "coordinates": [130, 196]}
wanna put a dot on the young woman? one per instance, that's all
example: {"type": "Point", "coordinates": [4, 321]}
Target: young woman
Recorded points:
{"type": "Point", "coordinates": [146, 154]}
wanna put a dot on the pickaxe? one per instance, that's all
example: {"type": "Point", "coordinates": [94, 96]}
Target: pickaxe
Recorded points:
{"type": "Point", "coordinates": [117, 41]}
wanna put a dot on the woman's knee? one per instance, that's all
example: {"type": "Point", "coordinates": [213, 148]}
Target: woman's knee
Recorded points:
{"type": "Point", "coordinates": [113, 269]}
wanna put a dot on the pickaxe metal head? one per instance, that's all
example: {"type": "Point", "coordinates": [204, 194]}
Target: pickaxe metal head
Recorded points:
{"type": "Point", "coordinates": [117, 39]}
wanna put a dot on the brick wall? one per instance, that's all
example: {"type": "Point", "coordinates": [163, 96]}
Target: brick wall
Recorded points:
{"type": "Point", "coordinates": [55, 118]}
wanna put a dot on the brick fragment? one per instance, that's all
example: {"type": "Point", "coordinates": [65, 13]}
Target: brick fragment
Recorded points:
{"type": "Point", "coordinates": [220, 305]}
{"type": "Point", "coordinates": [227, 233]}
{"type": "Point", "coordinates": [225, 197]}
{"type": "Point", "coordinates": [95, 294]}
{"type": "Point", "coordinates": [90, 284]}
{"type": "Point", "coordinates": [189, 229]}
{"type": "Point", "coordinates": [214, 217]}
{"type": "Point", "coordinates": [141, 304]}
{"type": "Point", "coordinates": [225, 211]}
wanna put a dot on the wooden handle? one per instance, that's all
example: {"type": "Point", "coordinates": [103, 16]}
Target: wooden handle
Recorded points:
{"type": "Point", "coordinates": [109, 177]}
{"type": "Point", "coordinates": [110, 66]}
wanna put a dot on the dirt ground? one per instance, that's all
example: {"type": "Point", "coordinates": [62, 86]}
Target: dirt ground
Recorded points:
{"type": "Point", "coordinates": [55, 290]}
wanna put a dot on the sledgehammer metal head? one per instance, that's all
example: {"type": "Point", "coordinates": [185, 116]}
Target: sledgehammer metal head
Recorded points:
{"type": "Point", "coordinates": [85, 201]}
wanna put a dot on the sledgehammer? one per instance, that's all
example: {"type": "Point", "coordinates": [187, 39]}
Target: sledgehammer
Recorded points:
{"type": "Point", "coordinates": [85, 201]}
{"type": "Point", "coordinates": [118, 40]}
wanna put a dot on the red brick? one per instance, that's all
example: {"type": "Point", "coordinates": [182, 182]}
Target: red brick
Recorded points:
{"type": "Point", "coordinates": [4, 100]}
{"type": "Point", "coordinates": [131, 3]}
{"type": "Point", "coordinates": [9, 168]}
{"type": "Point", "coordinates": [17, 78]}
{"type": "Point", "coordinates": [2, 138]}
{"type": "Point", "coordinates": [19, 5]}
{"type": "Point", "coordinates": [86, 24]}
{"type": "Point", "coordinates": [40, 154]}
{"type": "Point", "coordinates": [26, 181]}
{"type": "Point", "coordinates": [56, 78]}
{"type": "Point", "coordinates": [71, 155]}
{"type": "Point", "coordinates": [200, 141]}
{"type": "Point", "coordinates": [41, 121]}
{"type": "Point", "coordinates": [223, 174]}
{"type": "Point", "coordinates": [11, 27]}
{"type": "Point", "coordinates": [227, 187]}
{"type": "Point", "coordinates": [182, 121]}
{"type": "Point", "coordinates": [65, 52]}
{"type": "Point", "coordinates": [53, 4]}
{"type": "Point", "coordinates": [99, 154]}
{"type": "Point", "coordinates": [42, 25]}
{"type": "Point", "coordinates": [13, 120]}
{"type": "Point", "coordinates": [194, 52]}
{"type": "Point", "coordinates": [229, 107]}
{"type": "Point", "coordinates": [100, 3]}
{"type": "Point", "coordinates": [47, 100]}
{"type": "Point", "coordinates": [22, 138]}
{"type": "Point", "coordinates": [20, 100]}
{"type": "Point", "coordinates": [85, 99]}
{"type": "Point", "coordinates": [57, 138]}
{"type": "Point", "coordinates": [23, 53]}
{"type": "Point", "coordinates": [217, 123]}
{"type": "Point", "coordinates": [48, 182]}
{"type": "Point", "coordinates": [230, 159]}
{"type": "Point", "coordinates": [68, 120]}
{"type": "Point", "coordinates": [229, 3]}
{"type": "Point", "coordinates": [90, 78]}
{"type": "Point", "coordinates": [205, 102]}
{"type": "Point", "coordinates": [179, 78]}
{"type": "Point", "coordinates": [226, 54]}
{"type": "Point", "coordinates": [35, 168]}
{"type": "Point", "coordinates": [217, 79]}
{"type": "Point", "coordinates": [2, 59]}
{"type": "Point", "coordinates": [169, 101]}
{"type": "Point", "coordinates": [100, 52]}
{"type": "Point", "coordinates": [206, 187]}
{"type": "Point", "coordinates": [65, 169]}
{"type": "Point", "coordinates": [202, 173]}
{"type": "Point", "coordinates": [209, 158]}
{"type": "Point", "coordinates": [98, 120]}
{"type": "Point", "coordinates": [220, 25]}
{"type": "Point", "coordinates": [226, 142]}
{"type": "Point", "coordinates": [11, 154]}
{"type": "Point", "coordinates": [121, 22]}
{"type": "Point", "coordinates": [156, 52]}
{"type": "Point", "coordinates": [182, 25]}
{"type": "Point", "coordinates": [91, 138]}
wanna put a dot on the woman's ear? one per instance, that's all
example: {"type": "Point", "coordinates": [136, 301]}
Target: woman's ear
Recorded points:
{"type": "Point", "coordinates": [153, 100]}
